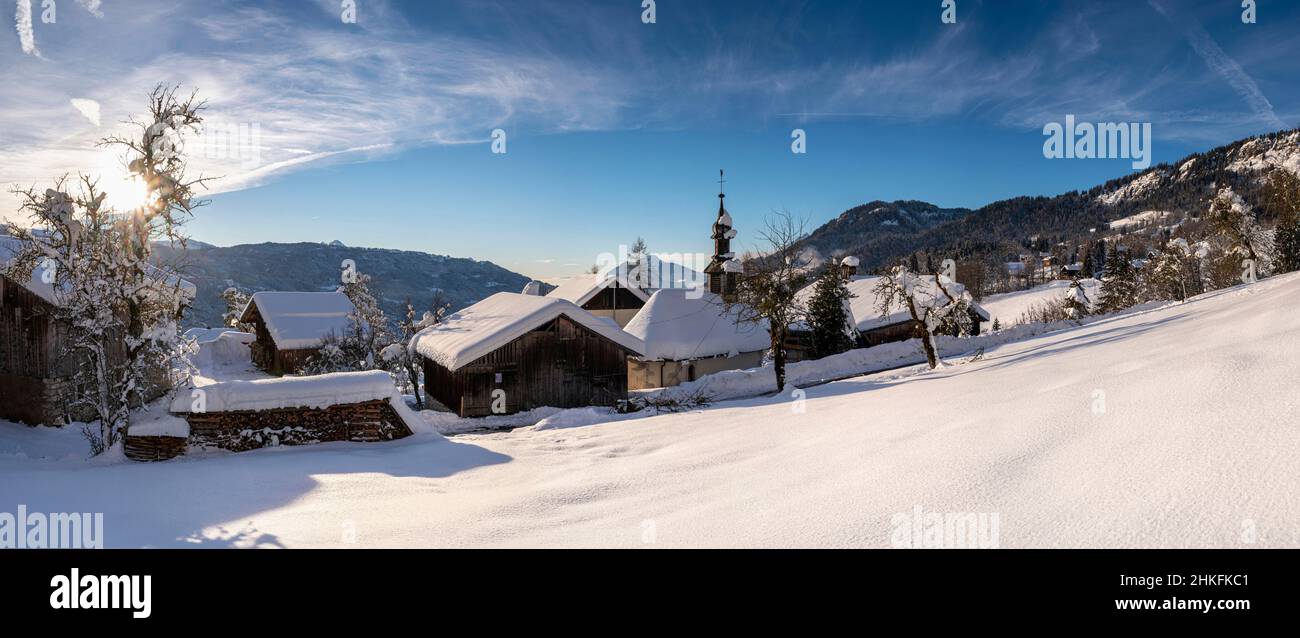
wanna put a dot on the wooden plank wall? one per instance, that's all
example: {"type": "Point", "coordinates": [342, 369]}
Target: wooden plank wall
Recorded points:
{"type": "Point", "coordinates": [29, 340]}
{"type": "Point", "coordinates": [561, 364]}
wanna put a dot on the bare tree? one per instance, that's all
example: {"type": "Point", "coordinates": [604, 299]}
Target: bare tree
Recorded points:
{"type": "Point", "coordinates": [929, 299]}
{"type": "Point", "coordinates": [401, 360]}
{"type": "Point", "coordinates": [767, 290]}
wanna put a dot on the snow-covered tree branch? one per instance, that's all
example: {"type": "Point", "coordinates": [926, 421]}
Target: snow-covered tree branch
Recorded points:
{"type": "Point", "coordinates": [929, 299]}
{"type": "Point", "coordinates": [120, 311]}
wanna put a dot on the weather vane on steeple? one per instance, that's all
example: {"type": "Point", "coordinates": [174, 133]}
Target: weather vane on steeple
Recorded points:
{"type": "Point", "coordinates": [721, 180]}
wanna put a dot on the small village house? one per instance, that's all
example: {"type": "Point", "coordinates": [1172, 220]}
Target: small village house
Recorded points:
{"type": "Point", "coordinates": [291, 326]}
{"type": "Point", "coordinates": [513, 352]}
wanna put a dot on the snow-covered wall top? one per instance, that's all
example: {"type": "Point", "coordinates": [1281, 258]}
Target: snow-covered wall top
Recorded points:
{"type": "Point", "coordinates": [489, 324]}
{"type": "Point", "coordinates": [320, 391]}
{"type": "Point", "coordinates": [298, 320]}
{"type": "Point", "coordinates": [676, 327]}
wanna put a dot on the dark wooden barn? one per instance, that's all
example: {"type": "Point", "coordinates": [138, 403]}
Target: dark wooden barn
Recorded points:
{"type": "Point", "coordinates": [510, 353]}
{"type": "Point", "coordinates": [34, 378]}
{"type": "Point", "coordinates": [291, 326]}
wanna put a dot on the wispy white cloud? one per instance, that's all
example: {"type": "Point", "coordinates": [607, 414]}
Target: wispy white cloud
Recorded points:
{"type": "Point", "coordinates": [314, 92]}
{"type": "Point", "coordinates": [1223, 65]}
{"type": "Point", "coordinates": [93, 6]}
{"type": "Point", "coordinates": [320, 91]}
{"type": "Point", "coordinates": [88, 108]}
{"type": "Point", "coordinates": [23, 24]}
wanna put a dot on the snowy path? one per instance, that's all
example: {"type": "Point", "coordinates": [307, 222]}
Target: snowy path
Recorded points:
{"type": "Point", "coordinates": [1198, 444]}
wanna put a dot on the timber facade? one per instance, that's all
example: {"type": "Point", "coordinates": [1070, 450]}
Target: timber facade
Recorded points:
{"type": "Point", "coordinates": [36, 379]}
{"type": "Point", "coordinates": [559, 364]}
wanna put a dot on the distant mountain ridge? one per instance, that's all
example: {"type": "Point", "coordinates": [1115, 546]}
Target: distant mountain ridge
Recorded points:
{"type": "Point", "coordinates": [395, 274]}
{"type": "Point", "coordinates": [999, 229]}
{"type": "Point", "coordinates": [880, 227]}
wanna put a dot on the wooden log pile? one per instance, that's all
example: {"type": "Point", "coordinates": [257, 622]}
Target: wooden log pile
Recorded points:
{"type": "Point", "coordinates": [247, 430]}
{"type": "Point", "coordinates": [153, 448]}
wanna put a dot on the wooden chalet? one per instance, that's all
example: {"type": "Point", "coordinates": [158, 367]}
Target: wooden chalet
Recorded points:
{"type": "Point", "coordinates": [513, 352]}
{"type": "Point", "coordinates": [291, 326]}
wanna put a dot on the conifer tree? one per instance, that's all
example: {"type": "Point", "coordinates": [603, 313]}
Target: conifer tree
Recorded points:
{"type": "Point", "coordinates": [1119, 282]}
{"type": "Point", "coordinates": [1077, 303]}
{"type": "Point", "coordinates": [1288, 243]}
{"type": "Point", "coordinates": [1282, 198]}
{"type": "Point", "coordinates": [828, 315]}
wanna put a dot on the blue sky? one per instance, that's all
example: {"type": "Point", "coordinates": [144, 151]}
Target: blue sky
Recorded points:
{"type": "Point", "coordinates": [377, 133]}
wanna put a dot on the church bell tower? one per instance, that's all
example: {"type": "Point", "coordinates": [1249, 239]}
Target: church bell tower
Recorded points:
{"type": "Point", "coordinates": [724, 269]}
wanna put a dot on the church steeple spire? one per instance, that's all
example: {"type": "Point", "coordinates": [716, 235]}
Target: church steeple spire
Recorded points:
{"type": "Point", "coordinates": [723, 270]}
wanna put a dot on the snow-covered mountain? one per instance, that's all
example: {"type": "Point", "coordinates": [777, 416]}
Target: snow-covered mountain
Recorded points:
{"type": "Point", "coordinates": [395, 274]}
{"type": "Point", "coordinates": [1178, 191]}
{"type": "Point", "coordinates": [879, 228]}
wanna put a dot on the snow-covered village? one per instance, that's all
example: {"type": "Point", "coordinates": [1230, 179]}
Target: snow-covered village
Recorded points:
{"type": "Point", "coordinates": [452, 275]}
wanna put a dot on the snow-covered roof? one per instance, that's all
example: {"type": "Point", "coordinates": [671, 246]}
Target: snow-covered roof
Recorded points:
{"type": "Point", "coordinates": [317, 391]}
{"type": "Point", "coordinates": [11, 246]}
{"type": "Point", "coordinates": [655, 272]}
{"type": "Point", "coordinates": [300, 320]}
{"type": "Point", "coordinates": [865, 306]}
{"type": "Point", "coordinates": [850, 261]}
{"type": "Point", "coordinates": [490, 324]}
{"type": "Point", "coordinates": [680, 324]}
{"type": "Point", "coordinates": [582, 288]}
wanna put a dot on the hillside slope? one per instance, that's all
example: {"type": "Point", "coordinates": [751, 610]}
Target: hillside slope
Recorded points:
{"type": "Point", "coordinates": [1174, 427]}
{"type": "Point", "coordinates": [396, 275]}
